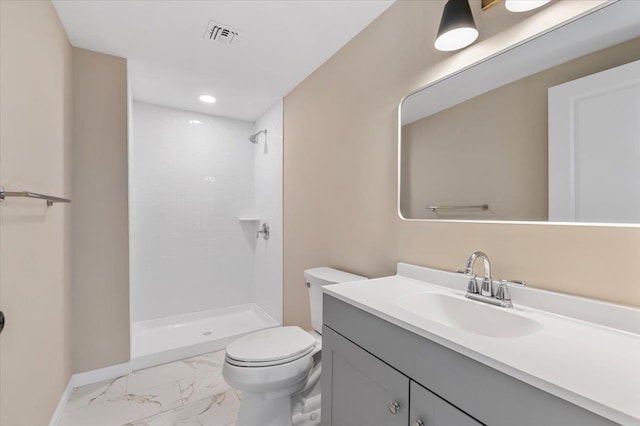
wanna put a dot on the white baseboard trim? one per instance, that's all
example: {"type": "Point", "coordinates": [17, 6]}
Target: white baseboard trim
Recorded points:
{"type": "Point", "coordinates": [57, 415]}
{"type": "Point", "coordinates": [106, 373]}
{"type": "Point", "coordinates": [87, 378]}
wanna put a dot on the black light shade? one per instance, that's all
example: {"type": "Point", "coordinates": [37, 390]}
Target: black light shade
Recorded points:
{"type": "Point", "coordinates": [457, 27]}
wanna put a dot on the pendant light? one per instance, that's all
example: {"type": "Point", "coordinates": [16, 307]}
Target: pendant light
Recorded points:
{"type": "Point", "coordinates": [457, 27]}
{"type": "Point", "coordinates": [524, 5]}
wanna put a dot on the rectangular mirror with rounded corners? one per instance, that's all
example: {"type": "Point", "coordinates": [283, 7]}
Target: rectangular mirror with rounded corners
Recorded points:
{"type": "Point", "coordinates": [546, 131]}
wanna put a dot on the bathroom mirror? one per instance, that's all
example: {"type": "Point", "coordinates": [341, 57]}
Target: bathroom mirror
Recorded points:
{"type": "Point", "coordinates": [545, 131]}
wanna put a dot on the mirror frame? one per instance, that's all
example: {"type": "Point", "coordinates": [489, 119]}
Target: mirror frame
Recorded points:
{"type": "Point", "coordinates": [598, 28]}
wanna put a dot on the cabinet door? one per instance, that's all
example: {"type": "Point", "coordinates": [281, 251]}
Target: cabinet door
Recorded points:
{"type": "Point", "coordinates": [358, 389]}
{"type": "Point", "coordinates": [431, 410]}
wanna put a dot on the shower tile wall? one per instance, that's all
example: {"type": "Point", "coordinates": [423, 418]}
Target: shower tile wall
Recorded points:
{"type": "Point", "coordinates": [268, 202]}
{"type": "Point", "coordinates": [189, 185]}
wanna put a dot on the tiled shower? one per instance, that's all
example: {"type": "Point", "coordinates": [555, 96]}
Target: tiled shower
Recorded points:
{"type": "Point", "coordinates": [199, 192]}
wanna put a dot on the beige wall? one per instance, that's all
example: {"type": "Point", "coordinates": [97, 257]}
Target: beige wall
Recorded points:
{"type": "Point", "coordinates": [493, 148]}
{"type": "Point", "coordinates": [340, 171]}
{"type": "Point", "coordinates": [100, 212]}
{"type": "Point", "coordinates": [40, 116]}
{"type": "Point", "coordinates": [35, 149]}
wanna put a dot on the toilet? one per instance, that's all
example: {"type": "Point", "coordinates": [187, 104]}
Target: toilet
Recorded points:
{"type": "Point", "coordinates": [278, 369]}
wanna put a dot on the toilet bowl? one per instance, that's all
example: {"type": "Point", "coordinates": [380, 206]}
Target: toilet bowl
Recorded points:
{"type": "Point", "coordinates": [278, 369]}
{"type": "Point", "coordinates": [273, 367]}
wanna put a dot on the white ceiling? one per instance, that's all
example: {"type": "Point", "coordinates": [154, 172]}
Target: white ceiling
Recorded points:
{"type": "Point", "coordinates": [170, 63]}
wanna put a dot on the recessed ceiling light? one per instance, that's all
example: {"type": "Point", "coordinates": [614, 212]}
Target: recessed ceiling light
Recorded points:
{"type": "Point", "coordinates": [207, 99]}
{"type": "Point", "coordinates": [524, 5]}
{"type": "Point", "coordinates": [195, 122]}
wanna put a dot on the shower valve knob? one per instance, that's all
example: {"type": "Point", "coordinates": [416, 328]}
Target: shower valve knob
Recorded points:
{"type": "Point", "coordinates": [264, 230]}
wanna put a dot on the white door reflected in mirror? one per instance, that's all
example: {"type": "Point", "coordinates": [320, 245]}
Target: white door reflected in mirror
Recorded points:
{"type": "Point", "coordinates": [594, 147]}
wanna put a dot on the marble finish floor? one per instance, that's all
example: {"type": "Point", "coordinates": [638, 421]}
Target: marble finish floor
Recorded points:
{"type": "Point", "coordinates": [189, 392]}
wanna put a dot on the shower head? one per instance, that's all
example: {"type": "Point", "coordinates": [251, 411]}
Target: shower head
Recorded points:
{"type": "Point", "coordinates": [254, 137]}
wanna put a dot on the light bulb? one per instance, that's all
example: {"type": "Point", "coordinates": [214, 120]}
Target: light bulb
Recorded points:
{"type": "Point", "coordinates": [208, 99]}
{"type": "Point", "coordinates": [456, 39]}
{"type": "Point", "coordinates": [524, 5]}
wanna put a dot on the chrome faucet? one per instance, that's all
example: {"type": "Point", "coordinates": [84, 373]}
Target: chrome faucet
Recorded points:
{"type": "Point", "coordinates": [487, 288]}
{"type": "Point", "coordinates": [501, 297]}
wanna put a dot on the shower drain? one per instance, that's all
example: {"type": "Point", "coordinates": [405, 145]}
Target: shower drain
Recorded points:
{"type": "Point", "coordinates": [206, 333]}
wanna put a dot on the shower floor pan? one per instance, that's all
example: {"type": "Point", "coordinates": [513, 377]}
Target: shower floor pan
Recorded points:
{"type": "Point", "coordinates": [169, 339]}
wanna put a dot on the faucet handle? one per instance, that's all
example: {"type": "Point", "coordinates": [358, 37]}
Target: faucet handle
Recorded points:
{"type": "Point", "coordinates": [502, 293]}
{"type": "Point", "coordinates": [516, 283]}
{"type": "Point", "coordinates": [472, 287]}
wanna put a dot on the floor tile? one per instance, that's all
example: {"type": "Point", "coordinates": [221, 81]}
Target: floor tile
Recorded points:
{"type": "Point", "coordinates": [201, 387]}
{"type": "Point", "coordinates": [118, 409]}
{"type": "Point", "coordinates": [199, 366]}
{"type": "Point", "coordinates": [239, 393]}
{"type": "Point", "coordinates": [187, 392]}
{"type": "Point", "coordinates": [219, 410]}
{"type": "Point", "coordinates": [97, 392]}
{"type": "Point", "coordinates": [207, 380]}
{"type": "Point", "coordinates": [103, 414]}
{"type": "Point", "coordinates": [220, 355]}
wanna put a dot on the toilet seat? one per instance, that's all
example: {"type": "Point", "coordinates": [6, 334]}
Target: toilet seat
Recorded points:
{"type": "Point", "coordinates": [239, 363]}
{"type": "Point", "coordinates": [272, 380]}
{"type": "Point", "coordinates": [270, 347]}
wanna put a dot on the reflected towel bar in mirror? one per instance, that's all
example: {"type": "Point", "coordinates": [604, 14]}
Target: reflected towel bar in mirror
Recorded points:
{"type": "Point", "coordinates": [48, 198]}
{"type": "Point", "coordinates": [472, 207]}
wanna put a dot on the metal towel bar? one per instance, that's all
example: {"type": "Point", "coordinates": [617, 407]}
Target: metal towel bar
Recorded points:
{"type": "Point", "coordinates": [48, 198]}
{"type": "Point", "coordinates": [472, 207]}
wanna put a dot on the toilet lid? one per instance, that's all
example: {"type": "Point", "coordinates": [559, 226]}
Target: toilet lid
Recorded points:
{"type": "Point", "coordinates": [272, 344]}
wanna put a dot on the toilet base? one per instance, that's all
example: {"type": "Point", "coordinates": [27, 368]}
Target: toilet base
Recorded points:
{"type": "Point", "coordinates": [256, 409]}
{"type": "Point", "coordinates": [306, 412]}
{"type": "Point", "coordinates": [298, 410]}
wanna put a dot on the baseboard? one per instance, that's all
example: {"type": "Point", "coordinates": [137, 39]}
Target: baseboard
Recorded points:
{"type": "Point", "coordinates": [101, 374]}
{"type": "Point", "coordinates": [62, 404]}
{"type": "Point", "coordinates": [87, 378]}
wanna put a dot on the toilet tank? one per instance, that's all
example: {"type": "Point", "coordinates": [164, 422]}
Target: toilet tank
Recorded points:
{"type": "Point", "coordinates": [316, 278]}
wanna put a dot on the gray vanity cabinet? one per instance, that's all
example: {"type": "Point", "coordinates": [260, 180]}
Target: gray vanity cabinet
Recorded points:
{"type": "Point", "coordinates": [358, 389]}
{"type": "Point", "coordinates": [428, 409]}
{"type": "Point", "coordinates": [369, 363]}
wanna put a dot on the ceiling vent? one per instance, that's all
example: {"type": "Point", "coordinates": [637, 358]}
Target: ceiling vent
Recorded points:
{"type": "Point", "coordinates": [221, 33]}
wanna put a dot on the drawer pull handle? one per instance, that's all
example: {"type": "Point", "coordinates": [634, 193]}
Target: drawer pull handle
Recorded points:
{"type": "Point", "coordinates": [417, 422]}
{"type": "Point", "coordinates": [393, 407]}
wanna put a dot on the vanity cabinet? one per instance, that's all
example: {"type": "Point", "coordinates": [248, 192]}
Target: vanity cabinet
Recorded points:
{"type": "Point", "coordinates": [369, 363]}
{"type": "Point", "coordinates": [359, 389]}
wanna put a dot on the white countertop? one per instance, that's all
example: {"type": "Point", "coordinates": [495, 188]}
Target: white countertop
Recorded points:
{"type": "Point", "coordinates": [589, 364]}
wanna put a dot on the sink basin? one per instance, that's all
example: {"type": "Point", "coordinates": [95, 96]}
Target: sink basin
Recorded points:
{"type": "Point", "coordinates": [467, 315]}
